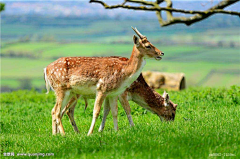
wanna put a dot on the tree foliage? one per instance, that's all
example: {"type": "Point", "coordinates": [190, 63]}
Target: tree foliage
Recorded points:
{"type": "Point", "coordinates": [2, 7]}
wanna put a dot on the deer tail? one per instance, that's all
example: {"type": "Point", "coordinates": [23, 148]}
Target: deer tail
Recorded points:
{"type": "Point", "coordinates": [46, 80]}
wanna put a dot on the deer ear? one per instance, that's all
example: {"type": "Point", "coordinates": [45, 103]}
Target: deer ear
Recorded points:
{"type": "Point", "coordinates": [167, 98]}
{"type": "Point", "coordinates": [175, 106]}
{"type": "Point", "coordinates": [135, 40]}
{"type": "Point", "coordinates": [164, 94]}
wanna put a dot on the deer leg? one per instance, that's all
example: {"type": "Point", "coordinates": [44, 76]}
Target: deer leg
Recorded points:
{"type": "Point", "coordinates": [114, 108]}
{"type": "Point", "coordinates": [86, 103]}
{"type": "Point", "coordinates": [125, 104]}
{"type": "Point", "coordinates": [69, 108]}
{"type": "Point", "coordinates": [54, 124]}
{"type": "Point", "coordinates": [105, 114]}
{"type": "Point", "coordinates": [70, 113]}
{"type": "Point", "coordinates": [62, 100]}
{"type": "Point", "coordinates": [97, 107]}
{"type": "Point", "coordinates": [71, 103]}
{"type": "Point", "coordinates": [55, 110]}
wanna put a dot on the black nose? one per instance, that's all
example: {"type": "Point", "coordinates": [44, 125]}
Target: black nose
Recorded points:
{"type": "Point", "coordinates": [162, 53]}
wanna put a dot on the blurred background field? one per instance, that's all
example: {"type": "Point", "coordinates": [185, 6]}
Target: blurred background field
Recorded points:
{"type": "Point", "coordinates": [207, 52]}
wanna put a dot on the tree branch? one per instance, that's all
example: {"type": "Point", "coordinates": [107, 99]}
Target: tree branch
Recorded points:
{"type": "Point", "coordinates": [154, 6]}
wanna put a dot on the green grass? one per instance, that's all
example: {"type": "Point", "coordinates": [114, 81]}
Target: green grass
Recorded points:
{"type": "Point", "coordinates": [22, 67]}
{"type": "Point", "coordinates": [28, 47]}
{"type": "Point", "coordinates": [207, 121]}
{"type": "Point", "coordinates": [88, 49]}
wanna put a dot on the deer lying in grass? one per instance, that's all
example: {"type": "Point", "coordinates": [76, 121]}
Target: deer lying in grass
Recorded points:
{"type": "Point", "coordinates": [102, 77]}
{"type": "Point", "coordinates": [140, 93]}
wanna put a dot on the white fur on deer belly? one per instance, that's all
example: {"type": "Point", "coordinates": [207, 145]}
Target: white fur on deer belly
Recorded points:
{"type": "Point", "coordinates": [128, 81]}
{"type": "Point", "coordinates": [83, 85]}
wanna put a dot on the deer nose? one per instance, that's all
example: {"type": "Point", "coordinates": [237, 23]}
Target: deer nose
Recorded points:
{"type": "Point", "coordinates": [162, 53]}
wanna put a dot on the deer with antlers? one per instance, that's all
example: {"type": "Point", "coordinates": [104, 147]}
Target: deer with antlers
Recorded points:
{"type": "Point", "coordinates": [102, 77]}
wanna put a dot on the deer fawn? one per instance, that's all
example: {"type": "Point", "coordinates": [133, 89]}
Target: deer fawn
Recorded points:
{"type": "Point", "coordinates": [140, 93]}
{"type": "Point", "coordinates": [102, 77]}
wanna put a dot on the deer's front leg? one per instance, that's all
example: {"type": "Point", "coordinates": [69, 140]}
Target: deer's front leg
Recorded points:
{"type": "Point", "coordinates": [97, 107]}
{"type": "Point", "coordinates": [125, 104]}
{"type": "Point", "coordinates": [105, 114]}
{"type": "Point", "coordinates": [114, 108]}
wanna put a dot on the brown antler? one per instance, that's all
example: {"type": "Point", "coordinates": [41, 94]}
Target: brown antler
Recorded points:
{"type": "Point", "coordinates": [138, 33]}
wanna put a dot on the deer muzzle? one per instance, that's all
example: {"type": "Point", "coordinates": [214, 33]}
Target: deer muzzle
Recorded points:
{"type": "Point", "coordinates": [159, 57]}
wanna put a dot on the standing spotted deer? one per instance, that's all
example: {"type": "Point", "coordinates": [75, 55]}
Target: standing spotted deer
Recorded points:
{"type": "Point", "coordinates": [140, 93]}
{"type": "Point", "coordinates": [102, 77]}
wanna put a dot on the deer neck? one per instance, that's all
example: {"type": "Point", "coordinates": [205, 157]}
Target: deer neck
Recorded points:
{"type": "Point", "coordinates": [146, 97]}
{"type": "Point", "coordinates": [135, 63]}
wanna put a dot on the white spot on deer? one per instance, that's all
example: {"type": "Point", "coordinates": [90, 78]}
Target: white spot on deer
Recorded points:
{"type": "Point", "coordinates": [57, 69]}
{"type": "Point", "coordinates": [65, 69]}
{"type": "Point", "coordinates": [68, 63]}
{"type": "Point", "coordinates": [65, 61]}
{"type": "Point", "coordinates": [61, 69]}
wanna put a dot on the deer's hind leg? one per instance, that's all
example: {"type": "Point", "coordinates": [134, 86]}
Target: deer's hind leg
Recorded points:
{"type": "Point", "coordinates": [62, 98]}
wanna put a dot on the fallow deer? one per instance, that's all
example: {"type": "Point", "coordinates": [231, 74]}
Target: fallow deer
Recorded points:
{"type": "Point", "coordinates": [102, 77]}
{"type": "Point", "coordinates": [143, 95]}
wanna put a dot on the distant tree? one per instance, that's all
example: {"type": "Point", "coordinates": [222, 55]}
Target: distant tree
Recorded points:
{"type": "Point", "coordinates": [2, 7]}
{"type": "Point", "coordinates": [169, 9]}
{"type": "Point", "coordinates": [25, 83]}
{"type": "Point", "coordinates": [220, 44]}
{"type": "Point", "coordinates": [232, 44]}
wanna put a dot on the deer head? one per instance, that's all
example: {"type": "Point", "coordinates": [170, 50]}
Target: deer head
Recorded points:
{"type": "Point", "coordinates": [145, 47]}
{"type": "Point", "coordinates": [169, 108]}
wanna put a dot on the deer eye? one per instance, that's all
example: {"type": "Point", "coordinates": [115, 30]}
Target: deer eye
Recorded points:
{"type": "Point", "coordinates": [148, 46]}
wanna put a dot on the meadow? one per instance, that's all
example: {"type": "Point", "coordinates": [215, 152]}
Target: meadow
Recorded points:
{"type": "Point", "coordinates": [208, 53]}
{"type": "Point", "coordinates": [22, 63]}
{"type": "Point", "coordinates": [206, 123]}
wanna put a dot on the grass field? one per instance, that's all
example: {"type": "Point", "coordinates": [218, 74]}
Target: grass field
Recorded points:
{"type": "Point", "coordinates": [207, 122]}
